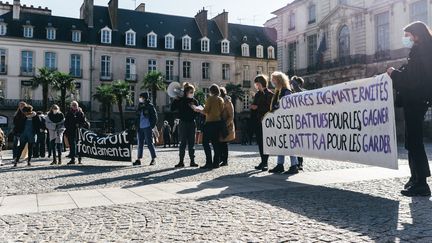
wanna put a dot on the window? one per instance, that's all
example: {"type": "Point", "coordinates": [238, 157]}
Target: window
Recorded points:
{"type": "Point", "coordinates": [76, 36]}
{"type": "Point", "coordinates": [246, 73]}
{"type": "Point", "coordinates": [27, 63]}
{"type": "Point", "coordinates": [418, 11]}
{"type": "Point", "coordinates": [169, 70]}
{"type": "Point", "coordinates": [152, 65]}
{"type": "Point", "coordinates": [106, 68]}
{"type": "Point", "coordinates": [51, 33]}
{"type": "Point", "coordinates": [132, 93]}
{"type": "Point", "coordinates": [169, 41]}
{"type": "Point", "coordinates": [2, 88]}
{"type": "Point", "coordinates": [3, 66]}
{"type": "Point", "coordinates": [205, 70]}
{"type": "Point", "coordinates": [186, 43]}
{"type": "Point", "coordinates": [76, 94]}
{"type": "Point", "coordinates": [382, 33]}
{"type": "Point", "coordinates": [246, 100]}
{"type": "Point", "coordinates": [75, 65]}
{"type": "Point", "coordinates": [271, 52]}
{"type": "Point", "coordinates": [152, 40]}
{"type": "Point", "coordinates": [225, 71]}
{"type": "Point", "coordinates": [344, 42]}
{"type": "Point", "coordinates": [225, 48]}
{"type": "Point", "coordinates": [51, 60]}
{"type": "Point", "coordinates": [312, 49]}
{"type": "Point", "coordinates": [245, 49]}
{"type": "Point", "coordinates": [205, 45]}
{"type": "Point", "coordinates": [312, 14]}
{"type": "Point", "coordinates": [3, 29]}
{"type": "Point", "coordinates": [292, 56]}
{"type": "Point", "coordinates": [345, 2]}
{"type": "Point", "coordinates": [186, 69]}
{"type": "Point", "coordinates": [131, 69]}
{"type": "Point", "coordinates": [260, 51]}
{"type": "Point", "coordinates": [260, 70]}
{"type": "Point", "coordinates": [130, 38]}
{"type": "Point", "coordinates": [28, 31]}
{"type": "Point", "coordinates": [271, 70]}
{"type": "Point", "coordinates": [106, 35]}
{"type": "Point", "coordinates": [26, 90]}
{"type": "Point", "coordinates": [291, 21]}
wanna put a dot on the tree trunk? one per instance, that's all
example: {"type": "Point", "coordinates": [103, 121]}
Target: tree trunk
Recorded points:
{"type": "Point", "coordinates": [63, 99]}
{"type": "Point", "coordinates": [120, 107]}
{"type": "Point", "coordinates": [108, 112]}
{"type": "Point", "coordinates": [44, 97]}
{"type": "Point", "coordinates": [154, 95]}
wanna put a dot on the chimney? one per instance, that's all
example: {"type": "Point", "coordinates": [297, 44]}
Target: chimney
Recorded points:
{"type": "Point", "coordinates": [222, 23]}
{"type": "Point", "coordinates": [16, 9]}
{"type": "Point", "coordinates": [141, 8]}
{"type": "Point", "coordinates": [201, 20]}
{"type": "Point", "coordinates": [113, 9]}
{"type": "Point", "coordinates": [86, 12]}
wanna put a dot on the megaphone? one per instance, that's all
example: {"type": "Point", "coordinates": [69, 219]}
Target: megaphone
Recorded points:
{"type": "Point", "coordinates": [175, 90]}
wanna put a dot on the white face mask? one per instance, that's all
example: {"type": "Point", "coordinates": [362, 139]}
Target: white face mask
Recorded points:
{"type": "Point", "coordinates": [141, 100]}
{"type": "Point", "coordinates": [407, 42]}
{"type": "Point", "coordinates": [55, 111]}
{"type": "Point", "coordinates": [190, 96]}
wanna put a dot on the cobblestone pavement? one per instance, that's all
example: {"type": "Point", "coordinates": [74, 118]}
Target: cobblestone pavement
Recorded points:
{"type": "Point", "coordinates": [371, 211]}
{"type": "Point", "coordinates": [98, 174]}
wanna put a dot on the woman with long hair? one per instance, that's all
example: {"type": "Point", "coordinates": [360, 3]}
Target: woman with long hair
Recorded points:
{"type": "Point", "coordinates": [18, 119]}
{"type": "Point", "coordinates": [282, 88]}
{"type": "Point", "coordinates": [414, 84]}
{"type": "Point", "coordinates": [228, 118]}
{"type": "Point", "coordinates": [55, 124]}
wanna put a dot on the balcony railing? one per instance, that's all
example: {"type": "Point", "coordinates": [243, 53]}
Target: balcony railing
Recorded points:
{"type": "Point", "coordinates": [382, 55]}
{"type": "Point", "coordinates": [131, 77]}
{"type": "Point", "coordinates": [336, 63]}
{"type": "Point", "coordinates": [246, 84]}
{"type": "Point", "coordinates": [3, 69]}
{"type": "Point", "coordinates": [27, 71]}
{"type": "Point", "coordinates": [105, 76]}
{"type": "Point", "coordinates": [76, 72]}
{"type": "Point", "coordinates": [172, 78]}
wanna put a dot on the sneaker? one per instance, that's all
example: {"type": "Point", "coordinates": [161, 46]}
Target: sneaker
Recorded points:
{"type": "Point", "coordinates": [417, 191]}
{"type": "Point", "coordinates": [137, 162]}
{"type": "Point", "coordinates": [179, 165]}
{"type": "Point", "coordinates": [193, 164]}
{"type": "Point", "coordinates": [153, 162]}
{"type": "Point", "coordinates": [277, 169]}
{"type": "Point", "coordinates": [292, 170]}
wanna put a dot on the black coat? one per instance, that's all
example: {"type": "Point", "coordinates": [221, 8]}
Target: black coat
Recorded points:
{"type": "Point", "coordinates": [37, 124]}
{"type": "Point", "coordinates": [19, 122]}
{"type": "Point", "coordinates": [73, 121]}
{"type": "Point", "coordinates": [413, 81]}
{"type": "Point", "coordinates": [149, 111]}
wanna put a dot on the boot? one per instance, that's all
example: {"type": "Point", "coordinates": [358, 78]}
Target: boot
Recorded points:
{"type": "Point", "coordinates": [54, 162]}
{"type": "Point", "coordinates": [410, 182]}
{"type": "Point", "coordinates": [137, 162]}
{"type": "Point", "coordinates": [207, 166]}
{"type": "Point", "coordinates": [28, 163]}
{"type": "Point", "coordinates": [193, 164]}
{"type": "Point", "coordinates": [153, 162]}
{"type": "Point", "coordinates": [417, 190]}
{"type": "Point", "coordinates": [59, 160]}
{"type": "Point", "coordinates": [292, 170]}
{"type": "Point", "coordinates": [179, 165]}
{"type": "Point", "coordinates": [262, 166]}
{"type": "Point", "coordinates": [277, 169]}
{"type": "Point", "coordinates": [72, 162]}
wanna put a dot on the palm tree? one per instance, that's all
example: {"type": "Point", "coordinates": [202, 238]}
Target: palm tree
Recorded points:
{"type": "Point", "coordinates": [200, 96]}
{"type": "Point", "coordinates": [104, 94]}
{"type": "Point", "coordinates": [121, 91]}
{"type": "Point", "coordinates": [154, 81]}
{"type": "Point", "coordinates": [236, 92]}
{"type": "Point", "coordinates": [45, 79]}
{"type": "Point", "coordinates": [63, 82]}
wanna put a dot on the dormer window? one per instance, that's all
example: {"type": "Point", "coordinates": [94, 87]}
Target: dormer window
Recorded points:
{"type": "Point", "coordinates": [76, 36]}
{"type": "Point", "coordinates": [271, 52]}
{"type": "Point", "coordinates": [225, 47]}
{"type": "Point", "coordinates": [51, 33]}
{"type": "Point", "coordinates": [130, 38]}
{"type": "Point", "coordinates": [106, 35]}
{"type": "Point", "coordinates": [245, 50]}
{"type": "Point", "coordinates": [260, 51]}
{"type": "Point", "coordinates": [28, 31]}
{"type": "Point", "coordinates": [205, 44]}
{"type": "Point", "coordinates": [152, 40]}
{"type": "Point", "coordinates": [3, 28]}
{"type": "Point", "coordinates": [169, 41]}
{"type": "Point", "coordinates": [186, 43]}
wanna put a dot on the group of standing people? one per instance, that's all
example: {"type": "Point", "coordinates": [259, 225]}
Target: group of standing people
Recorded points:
{"type": "Point", "coordinates": [171, 134]}
{"type": "Point", "coordinates": [36, 131]}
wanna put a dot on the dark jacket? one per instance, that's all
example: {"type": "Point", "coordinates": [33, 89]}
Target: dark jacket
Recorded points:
{"type": "Point", "coordinates": [413, 81]}
{"type": "Point", "coordinates": [19, 122]}
{"type": "Point", "coordinates": [277, 96]}
{"type": "Point", "coordinates": [149, 111]}
{"type": "Point", "coordinates": [263, 101]}
{"type": "Point", "coordinates": [73, 121]}
{"type": "Point", "coordinates": [36, 124]}
{"type": "Point", "coordinates": [183, 106]}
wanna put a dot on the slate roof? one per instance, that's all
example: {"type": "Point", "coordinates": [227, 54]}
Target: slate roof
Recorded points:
{"type": "Point", "coordinates": [143, 23]}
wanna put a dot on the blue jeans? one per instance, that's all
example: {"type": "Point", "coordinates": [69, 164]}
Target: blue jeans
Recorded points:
{"type": "Point", "coordinates": [145, 134]}
{"type": "Point", "coordinates": [281, 160]}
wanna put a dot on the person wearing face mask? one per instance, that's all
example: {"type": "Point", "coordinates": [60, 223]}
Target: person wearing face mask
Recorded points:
{"type": "Point", "coordinates": [74, 120]}
{"type": "Point", "coordinates": [187, 125]}
{"type": "Point", "coordinates": [55, 124]}
{"type": "Point", "coordinates": [30, 127]}
{"type": "Point", "coordinates": [146, 119]}
{"type": "Point", "coordinates": [414, 83]}
{"type": "Point", "coordinates": [259, 107]}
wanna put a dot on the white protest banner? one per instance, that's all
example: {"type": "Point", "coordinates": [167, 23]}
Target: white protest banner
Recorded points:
{"type": "Point", "coordinates": [352, 121]}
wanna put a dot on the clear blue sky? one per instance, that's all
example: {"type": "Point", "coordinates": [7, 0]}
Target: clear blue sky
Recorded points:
{"type": "Point", "coordinates": [252, 12]}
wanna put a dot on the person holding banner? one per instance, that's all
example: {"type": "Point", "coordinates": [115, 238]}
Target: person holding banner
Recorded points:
{"type": "Point", "coordinates": [282, 88]}
{"type": "Point", "coordinates": [74, 119]}
{"type": "Point", "coordinates": [146, 121]}
{"type": "Point", "coordinates": [414, 83]}
{"type": "Point", "coordinates": [259, 107]}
